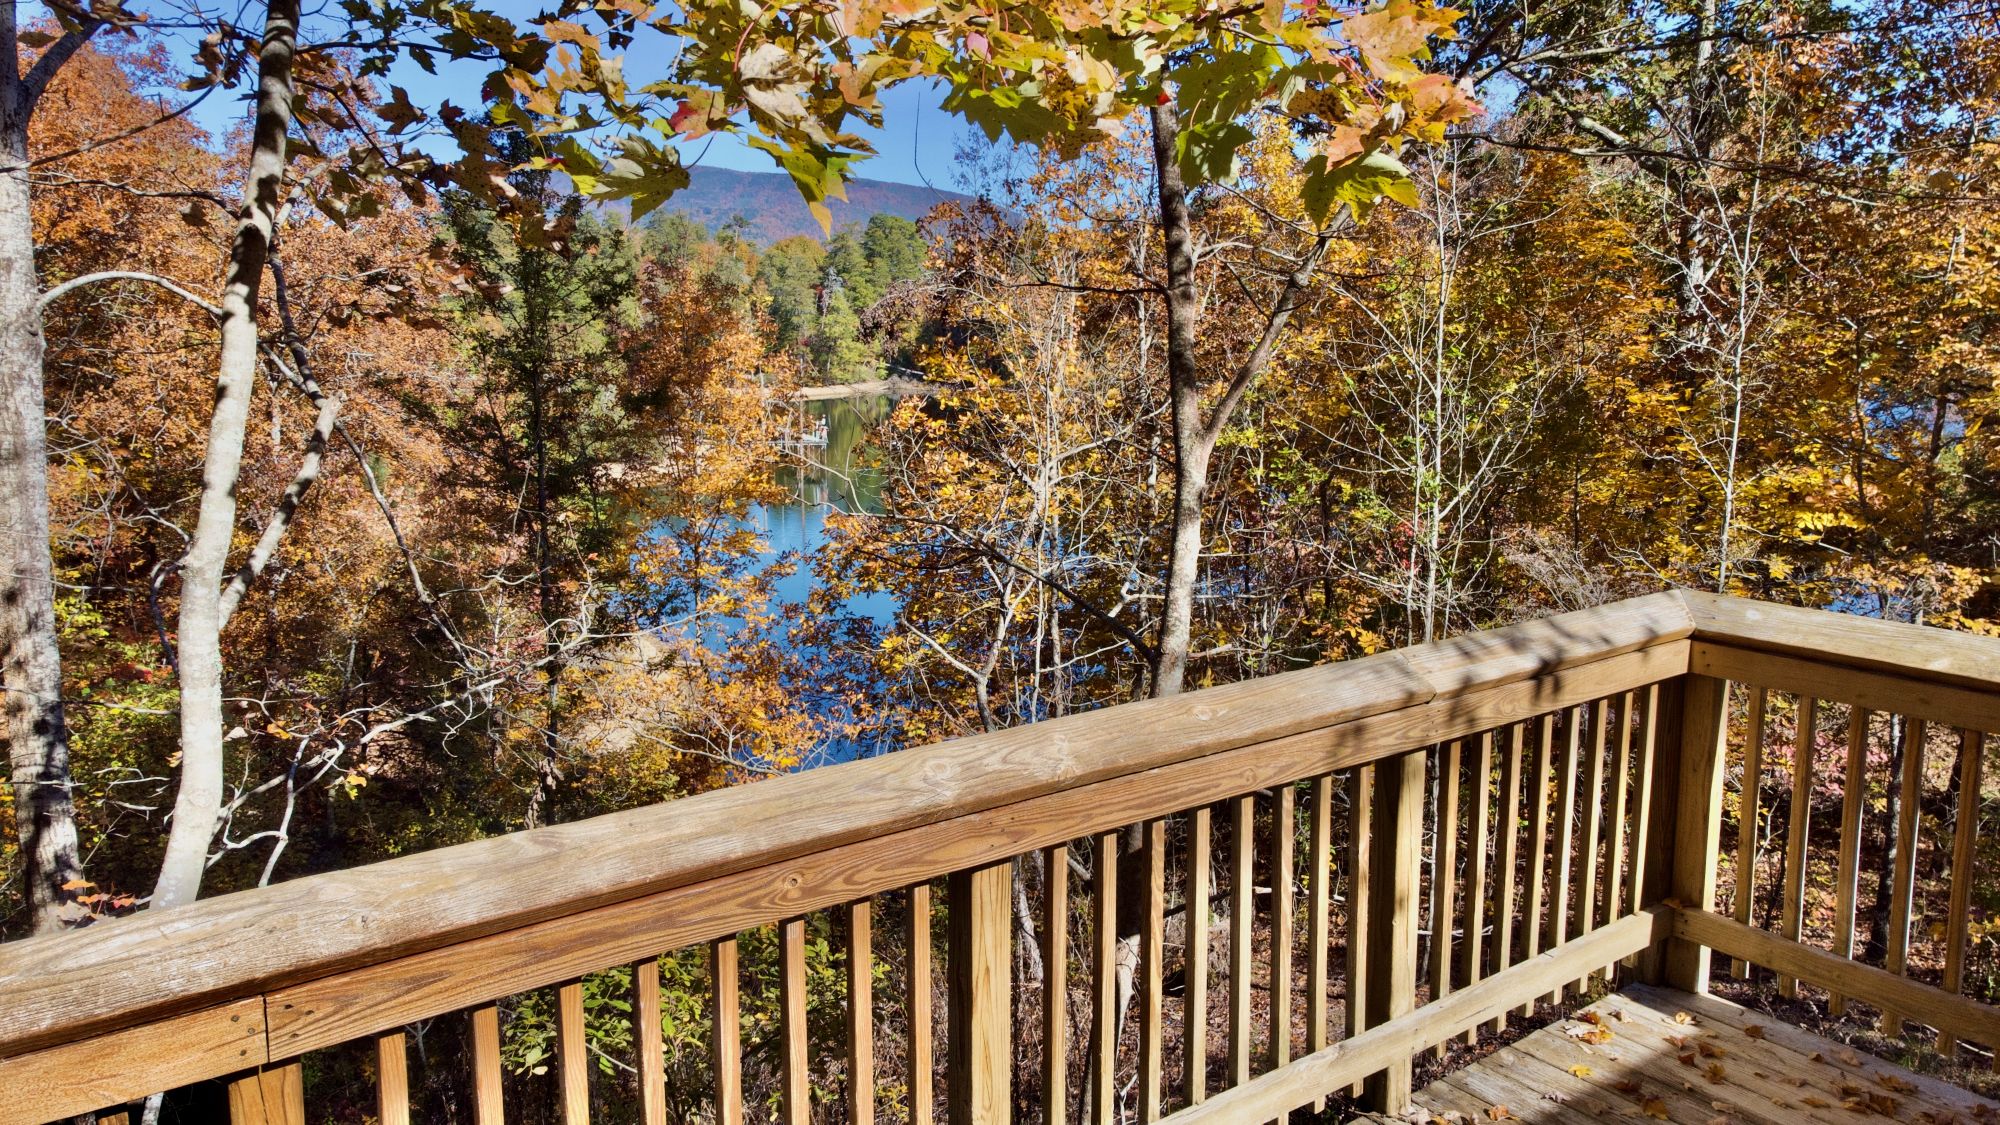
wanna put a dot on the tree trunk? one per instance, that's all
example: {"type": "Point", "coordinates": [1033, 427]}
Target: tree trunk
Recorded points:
{"type": "Point", "coordinates": [199, 801]}
{"type": "Point", "coordinates": [37, 737]}
{"type": "Point", "coordinates": [1192, 445]}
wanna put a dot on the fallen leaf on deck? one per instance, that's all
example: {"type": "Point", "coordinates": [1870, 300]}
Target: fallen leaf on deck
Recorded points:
{"type": "Point", "coordinates": [1580, 1070]}
{"type": "Point", "coordinates": [1754, 1031]}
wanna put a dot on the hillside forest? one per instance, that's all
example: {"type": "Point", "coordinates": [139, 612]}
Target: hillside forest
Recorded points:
{"type": "Point", "coordinates": [397, 489]}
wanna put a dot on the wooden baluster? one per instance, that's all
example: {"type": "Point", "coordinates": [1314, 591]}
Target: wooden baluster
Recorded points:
{"type": "Point", "coordinates": [1965, 838]}
{"type": "Point", "coordinates": [981, 1035]}
{"type": "Point", "coordinates": [1360, 814]}
{"type": "Point", "coordinates": [1903, 889]}
{"type": "Point", "coordinates": [1194, 1008]}
{"type": "Point", "coordinates": [1055, 984]}
{"type": "Point", "coordinates": [1565, 857]}
{"type": "Point", "coordinates": [572, 1054]}
{"type": "Point", "coordinates": [726, 1030]}
{"type": "Point", "coordinates": [1791, 915]}
{"type": "Point", "coordinates": [795, 1094]}
{"type": "Point", "coordinates": [918, 938]}
{"type": "Point", "coordinates": [1475, 887]}
{"type": "Point", "coordinates": [1615, 904]}
{"type": "Point", "coordinates": [652, 1051]}
{"type": "Point", "coordinates": [1538, 841]}
{"type": "Point", "coordinates": [1392, 919]}
{"type": "Point", "coordinates": [1152, 948]}
{"type": "Point", "coordinates": [273, 1096]}
{"type": "Point", "coordinates": [1593, 825]}
{"type": "Point", "coordinates": [392, 1079]}
{"type": "Point", "coordinates": [486, 1098]}
{"type": "Point", "coordinates": [1104, 982]}
{"type": "Point", "coordinates": [1746, 818]}
{"type": "Point", "coordinates": [1283, 840]}
{"type": "Point", "coordinates": [1319, 908]}
{"type": "Point", "coordinates": [1242, 919]}
{"type": "Point", "coordinates": [1695, 754]}
{"type": "Point", "coordinates": [1847, 877]}
{"type": "Point", "coordinates": [1644, 885]}
{"type": "Point", "coordinates": [860, 1012]}
{"type": "Point", "coordinates": [1444, 871]}
{"type": "Point", "coordinates": [121, 1117]}
{"type": "Point", "coordinates": [1508, 828]}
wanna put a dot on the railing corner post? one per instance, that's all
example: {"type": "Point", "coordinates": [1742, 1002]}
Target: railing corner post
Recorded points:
{"type": "Point", "coordinates": [981, 995]}
{"type": "Point", "coordinates": [1391, 924]}
{"type": "Point", "coordinates": [1690, 780]}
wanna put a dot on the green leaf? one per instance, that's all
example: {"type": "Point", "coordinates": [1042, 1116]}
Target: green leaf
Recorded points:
{"type": "Point", "coordinates": [1357, 185]}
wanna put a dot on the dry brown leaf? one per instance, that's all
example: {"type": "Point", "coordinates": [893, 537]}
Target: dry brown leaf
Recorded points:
{"type": "Point", "coordinates": [1892, 1082]}
{"type": "Point", "coordinates": [1498, 1113]}
{"type": "Point", "coordinates": [1714, 1072]}
{"type": "Point", "coordinates": [1754, 1031]}
{"type": "Point", "coordinates": [1683, 1017]}
{"type": "Point", "coordinates": [1654, 1107]}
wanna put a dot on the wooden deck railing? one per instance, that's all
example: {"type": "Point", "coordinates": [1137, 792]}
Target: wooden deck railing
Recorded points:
{"type": "Point", "coordinates": [1496, 819]}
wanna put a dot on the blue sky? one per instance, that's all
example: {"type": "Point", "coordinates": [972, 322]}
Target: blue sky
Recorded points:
{"type": "Point", "coordinates": [916, 147]}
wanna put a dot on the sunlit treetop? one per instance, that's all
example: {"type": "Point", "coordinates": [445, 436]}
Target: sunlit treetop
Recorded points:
{"type": "Point", "coordinates": [795, 78]}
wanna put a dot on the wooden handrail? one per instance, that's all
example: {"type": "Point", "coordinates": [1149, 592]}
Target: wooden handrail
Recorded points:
{"type": "Point", "coordinates": [162, 963]}
{"type": "Point", "coordinates": [257, 977]}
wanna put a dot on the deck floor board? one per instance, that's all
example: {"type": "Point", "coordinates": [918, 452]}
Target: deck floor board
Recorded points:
{"type": "Point", "coordinates": [1671, 1056]}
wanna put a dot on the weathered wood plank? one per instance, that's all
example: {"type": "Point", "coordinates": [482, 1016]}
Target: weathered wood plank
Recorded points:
{"type": "Point", "coordinates": [795, 1071]}
{"type": "Point", "coordinates": [572, 1055]}
{"type": "Point", "coordinates": [1509, 831]}
{"type": "Point", "coordinates": [1194, 1005]}
{"type": "Point", "coordinates": [1846, 640]}
{"type": "Point", "coordinates": [860, 1011]}
{"type": "Point", "coordinates": [1152, 973]}
{"type": "Point", "coordinates": [1104, 980]}
{"type": "Point", "coordinates": [1444, 868]}
{"type": "Point", "coordinates": [1055, 985]}
{"type": "Point", "coordinates": [1593, 823]}
{"type": "Point", "coordinates": [726, 1031]}
{"type": "Point", "coordinates": [1469, 1007]}
{"type": "Point", "coordinates": [1616, 900]}
{"type": "Point", "coordinates": [1534, 920]}
{"type": "Point", "coordinates": [1476, 890]}
{"type": "Point", "coordinates": [1962, 1016]}
{"type": "Point", "coordinates": [1283, 827]}
{"type": "Point", "coordinates": [1565, 858]}
{"type": "Point", "coordinates": [1965, 840]}
{"type": "Point", "coordinates": [1792, 910]}
{"type": "Point", "coordinates": [1847, 876]}
{"type": "Point", "coordinates": [120, 1066]}
{"type": "Point", "coordinates": [1392, 918]}
{"type": "Point", "coordinates": [129, 971]}
{"type": "Point", "coordinates": [1697, 828]}
{"type": "Point", "coordinates": [1319, 913]}
{"type": "Point", "coordinates": [1360, 860]}
{"type": "Point", "coordinates": [392, 1079]}
{"type": "Point", "coordinates": [652, 1075]}
{"type": "Point", "coordinates": [275, 1095]}
{"type": "Point", "coordinates": [1242, 923]}
{"type": "Point", "coordinates": [1748, 813]}
{"type": "Point", "coordinates": [488, 1104]}
{"type": "Point", "coordinates": [917, 940]}
{"type": "Point", "coordinates": [1912, 695]}
{"type": "Point", "coordinates": [980, 1042]}
{"type": "Point", "coordinates": [1903, 882]}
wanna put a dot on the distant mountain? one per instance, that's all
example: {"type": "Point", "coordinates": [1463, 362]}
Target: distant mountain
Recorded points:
{"type": "Point", "coordinates": [772, 205]}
